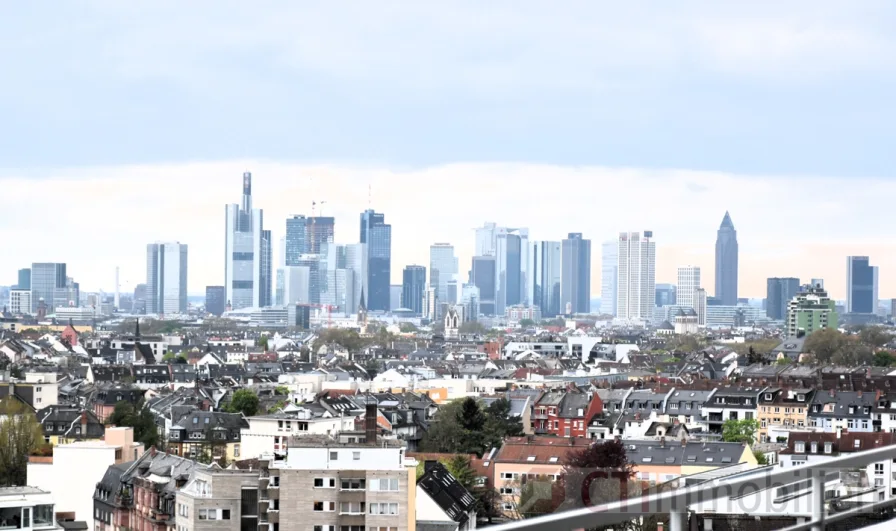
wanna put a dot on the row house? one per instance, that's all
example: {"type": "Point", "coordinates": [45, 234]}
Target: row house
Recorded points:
{"type": "Point", "coordinates": [783, 409]}
{"type": "Point", "coordinates": [834, 410]}
{"type": "Point", "coordinates": [730, 404]}
{"type": "Point", "coordinates": [884, 413]}
{"type": "Point", "coordinates": [874, 483]}
{"type": "Point", "coordinates": [212, 434]}
{"type": "Point", "coordinates": [566, 413]}
{"type": "Point", "coordinates": [685, 406]}
{"type": "Point", "coordinates": [140, 495]}
{"type": "Point", "coordinates": [642, 407]}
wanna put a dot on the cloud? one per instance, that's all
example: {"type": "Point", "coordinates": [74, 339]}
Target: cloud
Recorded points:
{"type": "Point", "coordinates": [98, 218]}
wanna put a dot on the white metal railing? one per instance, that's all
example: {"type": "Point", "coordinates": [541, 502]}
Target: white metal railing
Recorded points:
{"type": "Point", "coordinates": [676, 503]}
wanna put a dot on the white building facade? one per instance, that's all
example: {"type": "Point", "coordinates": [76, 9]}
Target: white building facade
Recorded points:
{"type": "Point", "coordinates": [688, 284]}
{"type": "Point", "coordinates": [636, 293]}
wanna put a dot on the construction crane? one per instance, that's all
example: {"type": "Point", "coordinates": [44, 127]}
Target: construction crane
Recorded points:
{"type": "Point", "coordinates": [329, 308]}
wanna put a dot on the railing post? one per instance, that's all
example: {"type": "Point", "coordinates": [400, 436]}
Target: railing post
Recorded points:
{"type": "Point", "coordinates": [678, 521]}
{"type": "Point", "coordinates": [817, 499]}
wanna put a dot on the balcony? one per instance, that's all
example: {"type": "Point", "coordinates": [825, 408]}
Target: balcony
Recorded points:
{"type": "Point", "coordinates": [823, 508]}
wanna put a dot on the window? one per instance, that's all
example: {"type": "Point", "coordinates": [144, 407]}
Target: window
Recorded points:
{"type": "Point", "coordinates": [353, 528]}
{"type": "Point", "coordinates": [828, 447]}
{"type": "Point", "coordinates": [386, 509]}
{"type": "Point", "coordinates": [878, 469]}
{"type": "Point", "coordinates": [323, 483]}
{"type": "Point", "coordinates": [507, 491]}
{"type": "Point", "coordinates": [814, 447]}
{"type": "Point", "coordinates": [858, 443]}
{"type": "Point", "coordinates": [356, 456]}
{"type": "Point", "coordinates": [225, 514]}
{"type": "Point", "coordinates": [354, 484]}
{"type": "Point", "coordinates": [507, 506]}
{"type": "Point", "coordinates": [203, 514]}
{"type": "Point", "coordinates": [384, 485]}
{"type": "Point", "coordinates": [509, 476]}
{"type": "Point", "coordinates": [800, 447]}
{"type": "Point", "coordinates": [531, 458]}
{"type": "Point", "coordinates": [325, 528]}
{"type": "Point", "coordinates": [553, 459]}
{"type": "Point", "coordinates": [324, 507]}
{"type": "Point", "coordinates": [334, 456]}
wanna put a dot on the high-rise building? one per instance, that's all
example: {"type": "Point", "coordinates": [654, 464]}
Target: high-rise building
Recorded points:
{"type": "Point", "coordinates": [394, 297]}
{"type": "Point", "coordinates": [20, 301]}
{"type": "Point", "coordinates": [637, 276]}
{"type": "Point", "coordinates": [166, 278]}
{"type": "Point", "coordinates": [688, 284]}
{"type": "Point", "coordinates": [215, 300]}
{"type": "Point", "coordinates": [443, 269]}
{"type": "Point", "coordinates": [510, 267]}
{"type": "Point", "coordinates": [700, 306]}
{"type": "Point", "coordinates": [296, 243]}
{"type": "Point", "coordinates": [413, 287]}
{"type": "Point", "coordinates": [470, 301]}
{"type": "Point", "coordinates": [319, 231]}
{"type": "Point", "coordinates": [247, 251]}
{"type": "Point", "coordinates": [726, 262]}
{"type": "Point", "coordinates": [377, 234]}
{"type": "Point", "coordinates": [778, 294]}
{"type": "Point", "coordinates": [485, 239]}
{"type": "Point", "coordinates": [861, 285]}
{"type": "Point", "coordinates": [483, 275]}
{"type": "Point", "coordinates": [24, 279]}
{"type": "Point", "coordinates": [810, 310]}
{"type": "Point", "coordinates": [546, 271]}
{"type": "Point", "coordinates": [609, 277]}
{"type": "Point", "coordinates": [139, 306]}
{"type": "Point", "coordinates": [49, 284]}
{"type": "Point", "coordinates": [666, 295]}
{"type": "Point", "coordinates": [575, 283]}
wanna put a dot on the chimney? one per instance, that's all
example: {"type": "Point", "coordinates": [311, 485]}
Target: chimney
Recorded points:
{"type": "Point", "coordinates": [684, 442]}
{"type": "Point", "coordinates": [370, 423]}
{"type": "Point", "coordinates": [832, 393]}
{"type": "Point", "coordinates": [84, 424]}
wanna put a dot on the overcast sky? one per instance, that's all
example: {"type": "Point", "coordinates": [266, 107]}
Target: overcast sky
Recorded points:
{"type": "Point", "coordinates": [126, 123]}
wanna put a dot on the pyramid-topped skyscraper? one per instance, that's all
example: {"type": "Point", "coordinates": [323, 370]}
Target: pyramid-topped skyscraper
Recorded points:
{"type": "Point", "coordinates": [726, 262]}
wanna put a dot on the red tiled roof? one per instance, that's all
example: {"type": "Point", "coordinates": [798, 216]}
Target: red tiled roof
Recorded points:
{"type": "Point", "coordinates": [519, 449]}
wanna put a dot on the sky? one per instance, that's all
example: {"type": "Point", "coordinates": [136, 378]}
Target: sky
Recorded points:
{"type": "Point", "coordinates": [128, 123]}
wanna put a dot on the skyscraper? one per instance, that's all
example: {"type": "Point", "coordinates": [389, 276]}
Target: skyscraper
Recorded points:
{"type": "Point", "coordinates": [575, 283]}
{"type": "Point", "coordinates": [24, 279]}
{"type": "Point", "coordinates": [319, 231]}
{"type": "Point", "coordinates": [546, 276]}
{"type": "Point", "coordinates": [356, 260]}
{"type": "Point", "coordinates": [483, 275]}
{"type": "Point", "coordinates": [296, 241]}
{"type": "Point", "coordinates": [510, 267]}
{"type": "Point", "coordinates": [688, 284]}
{"type": "Point", "coordinates": [778, 294]}
{"type": "Point", "coordinates": [413, 286]}
{"type": "Point", "coordinates": [485, 239]}
{"type": "Point", "coordinates": [609, 277]}
{"type": "Point", "coordinates": [166, 278]}
{"type": "Point", "coordinates": [666, 295]}
{"type": "Point", "coordinates": [637, 276]}
{"type": "Point", "coordinates": [442, 269]}
{"type": "Point", "coordinates": [214, 300]}
{"type": "Point", "coordinates": [49, 284]}
{"type": "Point", "coordinates": [378, 237]}
{"type": "Point", "coordinates": [726, 263]}
{"type": "Point", "coordinates": [861, 285]}
{"type": "Point", "coordinates": [247, 262]}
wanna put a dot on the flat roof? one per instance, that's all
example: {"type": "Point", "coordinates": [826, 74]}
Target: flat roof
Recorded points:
{"type": "Point", "coordinates": [314, 441]}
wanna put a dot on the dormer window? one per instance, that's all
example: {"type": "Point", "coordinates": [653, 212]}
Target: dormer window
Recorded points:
{"type": "Point", "coordinates": [852, 410]}
{"type": "Point", "coordinates": [828, 447]}
{"type": "Point", "coordinates": [768, 397]}
{"type": "Point", "coordinates": [799, 447]}
{"type": "Point", "coordinates": [867, 410]}
{"type": "Point", "coordinates": [800, 397]}
{"type": "Point", "coordinates": [814, 447]}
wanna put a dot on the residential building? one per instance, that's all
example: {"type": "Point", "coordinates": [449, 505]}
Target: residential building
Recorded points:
{"type": "Point", "coordinates": [688, 284]}
{"type": "Point", "coordinates": [443, 268]}
{"type": "Point", "coordinates": [336, 485]}
{"type": "Point", "coordinates": [519, 312]}
{"type": "Point", "coordinates": [782, 408]}
{"type": "Point", "coordinates": [80, 464]}
{"type": "Point", "coordinates": [575, 284]}
{"type": "Point", "coordinates": [166, 278]}
{"type": "Point", "coordinates": [833, 410]}
{"type": "Point", "coordinates": [609, 277]}
{"type": "Point", "coordinates": [215, 300]}
{"type": "Point", "coordinates": [27, 508]}
{"type": "Point", "coordinates": [413, 287]}
{"type": "Point", "coordinates": [63, 424]}
{"type": "Point", "coordinates": [779, 292]}
{"type": "Point", "coordinates": [861, 285]}
{"type": "Point", "coordinates": [566, 413]}
{"type": "Point", "coordinates": [270, 434]}
{"type": "Point", "coordinates": [49, 284]}
{"type": "Point", "coordinates": [637, 276]}
{"type": "Point", "coordinates": [248, 260]}
{"type": "Point", "coordinates": [726, 262]}
{"type": "Point", "coordinates": [296, 242]}
{"type": "Point", "coordinates": [377, 234]}
{"type": "Point", "coordinates": [32, 392]}
{"type": "Point", "coordinates": [484, 277]}
{"type": "Point", "coordinates": [546, 275]}
{"type": "Point", "coordinates": [228, 500]}
{"type": "Point", "coordinates": [210, 434]}
{"type": "Point", "coordinates": [730, 404]}
{"type": "Point", "coordinates": [810, 310]}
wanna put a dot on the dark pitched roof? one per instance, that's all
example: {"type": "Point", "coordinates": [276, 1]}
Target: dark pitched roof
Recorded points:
{"type": "Point", "coordinates": [447, 492]}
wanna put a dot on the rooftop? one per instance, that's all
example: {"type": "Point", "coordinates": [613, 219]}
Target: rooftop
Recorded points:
{"type": "Point", "coordinates": [317, 441]}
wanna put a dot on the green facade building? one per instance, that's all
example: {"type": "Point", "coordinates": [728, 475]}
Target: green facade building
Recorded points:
{"type": "Point", "coordinates": [810, 310]}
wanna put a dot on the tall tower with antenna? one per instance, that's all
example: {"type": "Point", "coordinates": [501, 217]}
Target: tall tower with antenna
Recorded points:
{"type": "Point", "coordinates": [117, 287]}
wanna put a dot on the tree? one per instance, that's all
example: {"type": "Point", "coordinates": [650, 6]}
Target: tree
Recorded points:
{"type": "Point", "coordinates": [244, 401]}
{"type": "Point", "coordinates": [537, 498]}
{"type": "Point", "coordinates": [760, 458]}
{"type": "Point", "coordinates": [684, 343]}
{"type": "Point", "coordinates": [464, 427]}
{"type": "Point", "coordinates": [20, 434]}
{"type": "Point", "coordinates": [140, 419]}
{"type": "Point", "coordinates": [472, 327]}
{"type": "Point", "coordinates": [883, 358]}
{"type": "Point", "coordinates": [874, 336]}
{"type": "Point", "coordinates": [263, 342]}
{"type": "Point", "coordinates": [407, 328]}
{"type": "Point", "coordinates": [281, 390]}
{"type": "Point", "coordinates": [168, 357]}
{"type": "Point", "coordinates": [526, 323]}
{"type": "Point", "coordinates": [824, 344]}
{"type": "Point", "coordinates": [373, 367]}
{"type": "Point", "coordinates": [500, 424]}
{"type": "Point", "coordinates": [742, 431]}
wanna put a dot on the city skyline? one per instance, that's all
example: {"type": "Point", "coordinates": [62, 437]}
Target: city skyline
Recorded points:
{"type": "Point", "coordinates": [195, 219]}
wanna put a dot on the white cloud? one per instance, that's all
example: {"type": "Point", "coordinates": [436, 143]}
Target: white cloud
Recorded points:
{"type": "Point", "coordinates": [98, 218]}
